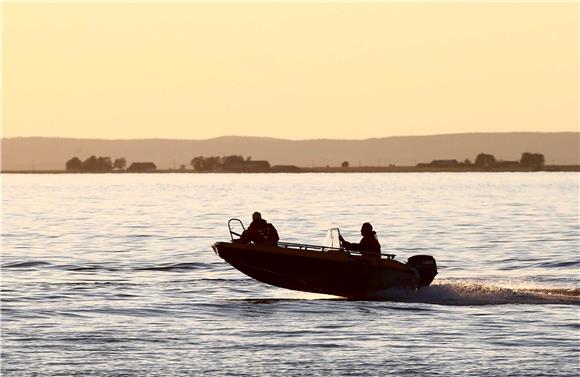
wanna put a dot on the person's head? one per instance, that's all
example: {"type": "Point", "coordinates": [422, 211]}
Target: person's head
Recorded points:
{"type": "Point", "coordinates": [366, 228]}
{"type": "Point", "coordinates": [256, 216]}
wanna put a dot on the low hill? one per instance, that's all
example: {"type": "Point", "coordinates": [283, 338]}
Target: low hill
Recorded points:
{"type": "Point", "coordinates": [43, 153]}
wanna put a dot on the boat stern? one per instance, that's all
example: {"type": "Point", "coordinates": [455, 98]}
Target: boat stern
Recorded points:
{"type": "Point", "coordinates": [426, 266]}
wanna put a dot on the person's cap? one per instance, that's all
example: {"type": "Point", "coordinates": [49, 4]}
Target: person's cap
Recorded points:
{"type": "Point", "coordinates": [256, 216]}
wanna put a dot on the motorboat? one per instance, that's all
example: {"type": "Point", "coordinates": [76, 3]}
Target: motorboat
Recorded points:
{"type": "Point", "coordinates": [328, 268]}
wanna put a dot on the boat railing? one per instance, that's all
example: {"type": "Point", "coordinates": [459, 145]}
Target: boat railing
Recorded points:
{"type": "Point", "coordinates": [301, 246]}
{"type": "Point", "coordinates": [232, 233]}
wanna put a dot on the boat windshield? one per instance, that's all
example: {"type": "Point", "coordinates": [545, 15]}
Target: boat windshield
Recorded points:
{"type": "Point", "coordinates": [331, 239]}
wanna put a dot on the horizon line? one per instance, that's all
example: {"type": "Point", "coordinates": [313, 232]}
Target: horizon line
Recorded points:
{"type": "Point", "coordinates": [285, 139]}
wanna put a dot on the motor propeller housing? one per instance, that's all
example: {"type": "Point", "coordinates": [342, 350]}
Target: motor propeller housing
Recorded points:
{"type": "Point", "coordinates": [425, 266]}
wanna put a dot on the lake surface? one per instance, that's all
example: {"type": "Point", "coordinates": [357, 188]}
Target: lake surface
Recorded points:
{"type": "Point", "coordinates": [113, 275]}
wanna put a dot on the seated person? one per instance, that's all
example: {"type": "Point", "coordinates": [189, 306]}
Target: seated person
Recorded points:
{"type": "Point", "coordinates": [368, 245]}
{"type": "Point", "coordinates": [260, 232]}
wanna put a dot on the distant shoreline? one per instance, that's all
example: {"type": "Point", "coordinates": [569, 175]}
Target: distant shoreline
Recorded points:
{"type": "Point", "coordinates": [362, 169]}
{"type": "Point", "coordinates": [33, 154]}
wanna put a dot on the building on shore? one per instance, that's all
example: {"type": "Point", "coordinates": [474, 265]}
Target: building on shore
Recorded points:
{"type": "Point", "coordinates": [508, 164]}
{"type": "Point", "coordinates": [252, 166]}
{"type": "Point", "coordinates": [439, 164]}
{"type": "Point", "coordinates": [285, 169]}
{"type": "Point", "coordinates": [142, 166]}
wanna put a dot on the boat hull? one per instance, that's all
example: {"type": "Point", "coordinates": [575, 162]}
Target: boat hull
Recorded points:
{"type": "Point", "coordinates": [331, 272]}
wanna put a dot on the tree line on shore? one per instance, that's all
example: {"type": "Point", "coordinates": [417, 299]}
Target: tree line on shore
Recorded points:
{"type": "Point", "coordinates": [482, 160]}
{"type": "Point", "coordinates": [228, 163]}
{"type": "Point", "coordinates": [95, 163]}
{"type": "Point", "coordinates": [200, 164]}
{"type": "Point", "coordinates": [237, 163]}
{"type": "Point", "coordinates": [529, 160]}
{"type": "Point", "coordinates": [488, 161]}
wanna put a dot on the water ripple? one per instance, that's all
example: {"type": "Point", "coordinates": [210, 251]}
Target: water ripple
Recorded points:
{"type": "Point", "coordinates": [108, 275]}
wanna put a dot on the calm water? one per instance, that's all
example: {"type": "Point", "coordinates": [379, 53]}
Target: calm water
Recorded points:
{"type": "Point", "coordinates": [113, 275]}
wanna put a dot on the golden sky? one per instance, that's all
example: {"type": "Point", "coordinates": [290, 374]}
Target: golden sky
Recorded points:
{"type": "Point", "coordinates": [290, 70]}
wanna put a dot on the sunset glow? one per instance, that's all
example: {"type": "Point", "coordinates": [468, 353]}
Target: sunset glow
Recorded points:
{"type": "Point", "coordinates": [298, 70]}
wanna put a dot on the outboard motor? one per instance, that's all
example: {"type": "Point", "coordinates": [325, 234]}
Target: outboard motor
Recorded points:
{"type": "Point", "coordinates": [426, 266]}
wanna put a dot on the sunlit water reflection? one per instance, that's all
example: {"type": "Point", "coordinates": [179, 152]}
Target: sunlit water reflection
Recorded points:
{"type": "Point", "coordinates": [114, 275]}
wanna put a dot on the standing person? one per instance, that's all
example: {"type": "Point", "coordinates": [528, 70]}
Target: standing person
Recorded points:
{"type": "Point", "coordinates": [260, 231]}
{"type": "Point", "coordinates": [369, 244]}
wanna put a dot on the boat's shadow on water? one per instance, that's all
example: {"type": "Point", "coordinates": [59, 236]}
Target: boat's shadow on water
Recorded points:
{"type": "Point", "coordinates": [464, 293]}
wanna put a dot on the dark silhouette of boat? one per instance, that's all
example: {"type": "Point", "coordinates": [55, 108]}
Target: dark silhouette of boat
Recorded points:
{"type": "Point", "coordinates": [327, 269]}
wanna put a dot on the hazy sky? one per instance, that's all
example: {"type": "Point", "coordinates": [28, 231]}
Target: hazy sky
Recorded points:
{"type": "Point", "coordinates": [300, 70]}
